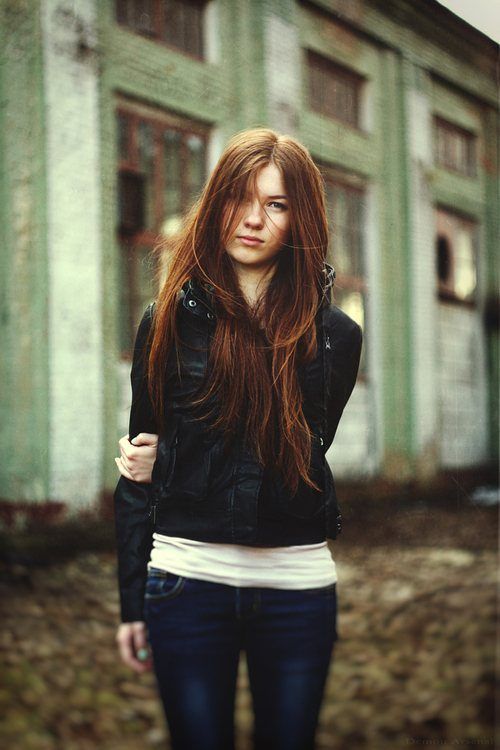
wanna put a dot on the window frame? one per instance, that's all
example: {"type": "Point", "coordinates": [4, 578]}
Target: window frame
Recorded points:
{"type": "Point", "coordinates": [446, 291]}
{"type": "Point", "coordinates": [314, 60]}
{"type": "Point", "coordinates": [443, 126]}
{"type": "Point", "coordinates": [351, 283]}
{"type": "Point", "coordinates": [158, 28]}
{"type": "Point", "coordinates": [134, 114]}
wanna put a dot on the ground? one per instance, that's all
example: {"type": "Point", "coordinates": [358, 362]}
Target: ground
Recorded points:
{"type": "Point", "coordinates": [414, 666]}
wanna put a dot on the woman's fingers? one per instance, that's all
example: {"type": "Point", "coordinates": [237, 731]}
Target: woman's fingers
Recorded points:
{"type": "Point", "coordinates": [145, 448]}
{"type": "Point", "coordinates": [133, 646]}
{"type": "Point", "coordinates": [122, 469]}
{"type": "Point", "coordinates": [136, 461]}
{"type": "Point", "coordinates": [141, 648]}
{"type": "Point", "coordinates": [145, 438]}
{"type": "Point", "coordinates": [126, 448]}
{"type": "Point", "coordinates": [127, 459]}
{"type": "Point", "coordinates": [142, 473]}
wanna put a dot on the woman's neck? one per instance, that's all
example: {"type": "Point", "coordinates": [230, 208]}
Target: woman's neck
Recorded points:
{"type": "Point", "coordinates": [254, 282]}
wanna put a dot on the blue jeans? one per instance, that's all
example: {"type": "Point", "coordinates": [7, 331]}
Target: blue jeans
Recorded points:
{"type": "Point", "coordinates": [196, 630]}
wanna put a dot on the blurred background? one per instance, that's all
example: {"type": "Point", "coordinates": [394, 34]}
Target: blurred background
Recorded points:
{"type": "Point", "coordinates": [112, 115]}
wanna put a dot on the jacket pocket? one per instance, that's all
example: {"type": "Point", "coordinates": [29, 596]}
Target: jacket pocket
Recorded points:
{"type": "Point", "coordinates": [186, 467]}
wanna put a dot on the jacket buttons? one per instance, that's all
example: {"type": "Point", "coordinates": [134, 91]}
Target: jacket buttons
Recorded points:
{"type": "Point", "coordinates": [321, 441]}
{"type": "Point", "coordinates": [210, 315]}
{"type": "Point", "coordinates": [191, 303]}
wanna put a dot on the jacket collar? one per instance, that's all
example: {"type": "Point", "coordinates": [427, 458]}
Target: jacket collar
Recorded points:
{"type": "Point", "coordinates": [195, 294]}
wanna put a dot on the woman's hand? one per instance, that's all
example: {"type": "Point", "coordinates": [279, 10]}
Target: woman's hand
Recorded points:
{"type": "Point", "coordinates": [137, 457]}
{"type": "Point", "coordinates": [134, 647]}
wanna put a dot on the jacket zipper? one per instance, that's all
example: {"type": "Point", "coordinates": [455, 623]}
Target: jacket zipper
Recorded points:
{"type": "Point", "coordinates": [152, 510]}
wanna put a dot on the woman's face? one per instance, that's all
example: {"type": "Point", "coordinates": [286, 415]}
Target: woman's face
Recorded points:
{"type": "Point", "coordinates": [264, 217]}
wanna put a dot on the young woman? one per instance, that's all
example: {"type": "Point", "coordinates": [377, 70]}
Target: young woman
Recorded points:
{"type": "Point", "coordinates": [242, 368]}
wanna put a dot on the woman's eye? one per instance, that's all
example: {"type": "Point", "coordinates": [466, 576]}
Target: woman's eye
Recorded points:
{"type": "Point", "coordinates": [278, 204]}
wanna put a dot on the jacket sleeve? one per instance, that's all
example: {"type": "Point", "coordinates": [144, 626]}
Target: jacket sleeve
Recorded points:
{"type": "Point", "coordinates": [133, 528]}
{"type": "Point", "coordinates": [346, 354]}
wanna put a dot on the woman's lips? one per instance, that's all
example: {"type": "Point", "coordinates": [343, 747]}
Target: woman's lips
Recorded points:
{"type": "Point", "coordinates": [251, 241]}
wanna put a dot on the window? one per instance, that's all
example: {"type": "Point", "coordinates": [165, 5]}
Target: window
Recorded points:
{"type": "Point", "coordinates": [345, 203]}
{"type": "Point", "coordinates": [334, 91]}
{"type": "Point", "coordinates": [456, 257]}
{"type": "Point", "coordinates": [178, 23]}
{"type": "Point", "coordinates": [454, 148]}
{"type": "Point", "coordinates": [161, 170]}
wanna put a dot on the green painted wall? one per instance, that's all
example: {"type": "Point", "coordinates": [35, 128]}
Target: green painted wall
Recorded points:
{"type": "Point", "coordinates": [230, 95]}
{"type": "Point", "coordinates": [393, 40]}
{"type": "Point", "coordinates": [395, 272]}
{"type": "Point", "coordinates": [24, 406]}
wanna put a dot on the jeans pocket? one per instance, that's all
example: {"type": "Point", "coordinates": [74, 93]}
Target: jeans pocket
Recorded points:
{"type": "Point", "coordinates": [162, 585]}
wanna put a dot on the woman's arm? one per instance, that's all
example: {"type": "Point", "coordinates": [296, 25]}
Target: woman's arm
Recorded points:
{"type": "Point", "coordinates": [131, 498]}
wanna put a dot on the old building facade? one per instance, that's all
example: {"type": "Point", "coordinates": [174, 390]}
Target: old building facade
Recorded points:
{"type": "Point", "coordinates": [112, 115]}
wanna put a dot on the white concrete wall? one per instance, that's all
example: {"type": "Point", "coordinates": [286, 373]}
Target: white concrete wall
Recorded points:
{"type": "Point", "coordinates": [283, 74]}
{"type": "Point", "coordinates": [75, 294]}
{"type": "Point", "coordinates": [461, 355]}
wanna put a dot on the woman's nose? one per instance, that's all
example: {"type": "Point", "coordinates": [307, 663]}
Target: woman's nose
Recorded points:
{"type": "Point", "coordinates": [254, 215]}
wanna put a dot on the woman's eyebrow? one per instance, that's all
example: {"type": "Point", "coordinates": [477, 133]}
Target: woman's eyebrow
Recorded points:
{"type": "Point", "coordinates": [277, 196]}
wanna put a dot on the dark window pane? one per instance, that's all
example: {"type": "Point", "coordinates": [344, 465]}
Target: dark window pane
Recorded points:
{"type": "Point", "coordinates": [454, 148]}
{"type": "Point", "coordinates": [443, 260]}
{"type": "Point", "coordinates": [182, 24]}
{"type": "Point", "coordinates": [456, 261]}
{"type": "Point", "coordinates": [130, 202]}
{"type": "Point", "coordinates": [172, 150]}
{"type": "Point", "coordinates": [123, 137]}
{"type": "Point", "coordinates": [333, 91]}
{"type": "Point", "coordinates": [143, 16]}
{"type": "Point", "coordinates": [195, 165]}
{"type": "Point", "coordinates": [122, 11]}
{"type": "Point", "coordinates": [147, 168]}
{"type": "Point", "coordinates": [137, 276]}
{"type": "Point", "coordinates": [173, 21]}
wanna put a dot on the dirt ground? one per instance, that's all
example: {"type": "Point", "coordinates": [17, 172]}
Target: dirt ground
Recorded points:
{"type": "Point", "coordinates": [415, 664]}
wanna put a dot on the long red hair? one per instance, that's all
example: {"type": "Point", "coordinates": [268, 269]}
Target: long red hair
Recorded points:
{"type": "Point", "coordinates": [255, 352]}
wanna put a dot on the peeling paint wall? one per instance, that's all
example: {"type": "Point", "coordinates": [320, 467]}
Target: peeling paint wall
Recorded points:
{"type": "Point", "coordinates": [24, 409]}
{"type": "Point", "coordinates": [71, 70]}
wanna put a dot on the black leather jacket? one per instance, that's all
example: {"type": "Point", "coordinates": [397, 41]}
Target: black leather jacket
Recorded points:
{"type": "Point", "coordinates": [201, 492]}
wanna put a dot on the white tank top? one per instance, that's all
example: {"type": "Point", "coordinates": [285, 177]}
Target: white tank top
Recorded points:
{"type": "Point", "coordinates": [301, 566]}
